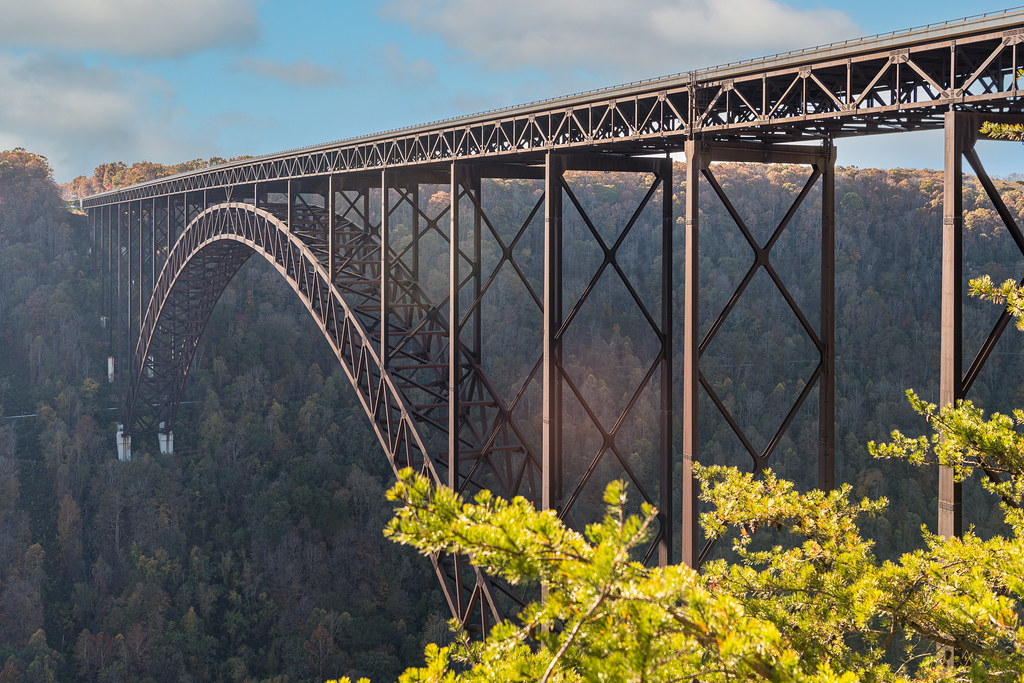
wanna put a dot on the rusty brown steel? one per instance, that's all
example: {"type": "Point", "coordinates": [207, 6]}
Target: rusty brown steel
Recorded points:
{"type": "Point", "coordinates": [961, 133]}
{"type": "Point", "coordinates": [895, 82]}
{"type": "Point", "coordinates": [696, 160]}
{"type": "Point", "coordinates": [822, 163]}
{"type": "Point", "coordinates": [951, 326]}
{"type": "Point", "coordinates": [551, 419]}
{"type": "Point", "coordinates": [563, 493]}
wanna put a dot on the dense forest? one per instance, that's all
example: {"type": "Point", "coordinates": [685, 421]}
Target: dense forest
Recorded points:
{"type": "Point", "coordinates": [254, 552]}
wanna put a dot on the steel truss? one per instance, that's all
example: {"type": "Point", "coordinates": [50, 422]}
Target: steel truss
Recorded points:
{"type": "Point", "coordinates": [895, 82]}
{"type": "Point", "coordinates": [352, 251]}
{"type": "Point", "coordinates": [606, 448]}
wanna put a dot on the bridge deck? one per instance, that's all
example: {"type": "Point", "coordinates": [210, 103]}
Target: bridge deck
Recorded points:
{"type": "Point", "coordinates": [903, 80]}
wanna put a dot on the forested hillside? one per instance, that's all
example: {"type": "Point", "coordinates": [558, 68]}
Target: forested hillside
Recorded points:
{"type": "Point", "coordinates": [253, 553]}
{"type": "Point", "coordinates": [255, 550]}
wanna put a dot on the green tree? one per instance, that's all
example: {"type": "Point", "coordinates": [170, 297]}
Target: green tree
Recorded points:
{"type": "Point", "coordinates": [815, 606]}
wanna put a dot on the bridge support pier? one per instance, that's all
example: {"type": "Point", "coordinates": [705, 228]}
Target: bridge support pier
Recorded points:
{"type": "Point", "coordinates": [699, 156]}
{"type": "Point", "coordinates": [165, 440]}
{"type": "Point", "coordinates": [962, 131]}
{"type": "Point", "coordinates": [951, 386]}
{"type": "Point", "coordinates": [124, 444]}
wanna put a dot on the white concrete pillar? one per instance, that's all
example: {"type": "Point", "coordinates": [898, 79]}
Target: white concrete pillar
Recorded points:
{"type": "Point", "coordinates": [124, 444]}
{"type": "Point", "coordinates": [166, 440]}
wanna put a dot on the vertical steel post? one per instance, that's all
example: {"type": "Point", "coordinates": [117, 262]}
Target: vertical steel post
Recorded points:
{"type": "Point", "coordinates": [111, 279]}
{"type": "Point", "coordinates": [827, 333]}
{"type": "Point", "coordinates": [951, 333]}
{"type": "Point", "coordinates": [152, 262]}
{"type": "Point", "coordinates": [291, 203]}
{"type": "Point", "coordinates": [130, 235]}
{"type": "Point", "coordinates": [473, 187]}
{"type": "Point", "coordinates": [123, 300]}
{"type": "Point", "coordinates": [139, 292]}
{"type": "Point", "coordinates": [415, 249]}
{"type": "Point", "coordinates": [385, 271]}
{"type": "Point", "coordinates": [665, 470]}
{"type": "Point", "coordinates": [691, 353]}
{"type": "Point", "coordinates": [332, 237]}
{"type": "Point", "coordinates": [104, 256]}
{"type": "Point", "coordinates": [454, 329]}
{"type": "Point", "coordinates": [551, 423]}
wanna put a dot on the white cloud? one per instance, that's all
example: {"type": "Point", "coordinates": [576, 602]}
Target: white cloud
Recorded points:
{"type": "Point", "coordinates": [81, 116]}
{"type": "Point", "coordinates": [616, 38]}
{"type": "Point", "coordinates": [137, 28]}
{"type": "Point", "coordinates": [300, 73]}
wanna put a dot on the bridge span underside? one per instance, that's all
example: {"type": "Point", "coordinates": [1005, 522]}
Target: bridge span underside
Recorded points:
{"type": "Point", "coordinates": [483, 311]}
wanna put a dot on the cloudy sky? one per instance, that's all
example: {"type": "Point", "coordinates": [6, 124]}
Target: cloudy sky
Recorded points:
{"type": "Point", "coordinates": [89, 81]}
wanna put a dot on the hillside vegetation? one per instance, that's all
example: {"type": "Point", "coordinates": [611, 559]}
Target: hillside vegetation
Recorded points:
{"type": "Point", "coordinates": [256, 550]}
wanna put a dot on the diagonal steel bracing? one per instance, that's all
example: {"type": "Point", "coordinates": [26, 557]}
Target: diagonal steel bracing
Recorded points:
{"type": "Point", "coordinates": [353, 252]}
{"type": "Point", "coordinates": [596, 441]}
{"type": "Point", "coordinates": [821, 162]}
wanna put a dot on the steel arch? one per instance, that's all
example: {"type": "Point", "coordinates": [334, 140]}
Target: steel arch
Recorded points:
{"type": "Point", "coordinates": [205, 258]}
{"type": "Point", "coordinates": [210, 250]}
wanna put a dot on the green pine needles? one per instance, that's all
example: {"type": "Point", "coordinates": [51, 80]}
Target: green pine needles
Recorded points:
{"type": "Point", "coordinates": [819, 607]}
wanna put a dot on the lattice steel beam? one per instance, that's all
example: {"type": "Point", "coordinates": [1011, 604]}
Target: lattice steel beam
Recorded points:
{"type": "Point", "coordinates": [902, 81]}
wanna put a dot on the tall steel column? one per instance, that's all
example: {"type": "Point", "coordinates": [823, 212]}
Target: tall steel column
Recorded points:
{"type": "Point", "coordinates": [951, 331]}
{"type": "Point", "coordinates": [827, 324]}
{"type": "Point", "coordinates": [385, 269]}
{"type": "Point", "coordinates": [454, 329]}
{"type": "Point", "coordinates": [123, 247]}
{"type": "Point", "coordinates": [106, 262]}
{"type": "Point", "coordinates": [332, 230]}
{"type": "Point", "coordinates": [695, 160]}
{"type": "Point", "coordinates": [551, 419]}
{"type": "Point", "coordinates": [665, 502]}
{"type": "Point", "coordinates": [152, 249]}
{"type": "Point", "coordinates": [135, 237]}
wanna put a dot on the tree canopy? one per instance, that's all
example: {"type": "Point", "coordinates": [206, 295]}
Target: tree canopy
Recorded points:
{"type": "Point", "coordinates": [816, 605]}
{"type": "Point", "coordinates": [117, 174]}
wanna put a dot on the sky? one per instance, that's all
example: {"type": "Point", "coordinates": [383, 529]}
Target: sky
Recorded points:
{"type": "Point", "coordinates": [85, 82]}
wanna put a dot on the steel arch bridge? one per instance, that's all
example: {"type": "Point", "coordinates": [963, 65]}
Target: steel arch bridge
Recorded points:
{"type": "Point", "coordinates": [401, 248]}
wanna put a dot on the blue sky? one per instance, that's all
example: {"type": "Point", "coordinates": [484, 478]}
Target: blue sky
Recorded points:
{"type": "Point", "coordinates": [89, 81]}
